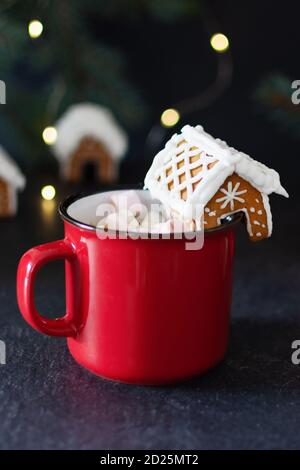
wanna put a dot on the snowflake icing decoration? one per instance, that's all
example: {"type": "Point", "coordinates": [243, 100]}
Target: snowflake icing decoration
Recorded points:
{"type": "Point", "coordinates": [231, 195]}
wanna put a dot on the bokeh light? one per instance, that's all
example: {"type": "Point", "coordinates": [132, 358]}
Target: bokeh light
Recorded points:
{"type": "Point", "coordinates": [170, 117]}
{"type": "Point", "coordinates": [219, 42]}
{"type": "Point", "coordinates": [50, 135]}
{"type": "Point", "coordinates": [35, 29]}
{"type": "Point", "coordinates": [48, 192]}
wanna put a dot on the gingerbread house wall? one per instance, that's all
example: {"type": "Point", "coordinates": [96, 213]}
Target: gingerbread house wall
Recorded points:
{"type": "Point", "coordinates": [93, 151]}
{"type": "Point", "coordinates": [8, 199]}
{"type": "Point", "coordinates": [235, 195]}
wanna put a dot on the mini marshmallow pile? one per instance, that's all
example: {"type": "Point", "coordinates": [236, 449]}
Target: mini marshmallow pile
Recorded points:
{"type": "Point", "coordinates": [127, 212]}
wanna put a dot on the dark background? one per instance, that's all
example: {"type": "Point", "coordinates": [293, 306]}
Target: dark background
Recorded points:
{"type": "Point", "coordinates": [251, 400]}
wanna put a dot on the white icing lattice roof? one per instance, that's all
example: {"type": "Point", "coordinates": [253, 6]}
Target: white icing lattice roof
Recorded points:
{"type": "Point", "coordinates": [201, 187]}
{"type": "Point", "coordinates": [89, 120]}
{"type": "Point", "coordinates": [10, 172]}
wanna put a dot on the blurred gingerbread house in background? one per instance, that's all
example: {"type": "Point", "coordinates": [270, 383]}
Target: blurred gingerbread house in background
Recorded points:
{"type": "Point", "coordinates": [88, 134]}
{"type": "Point", "coordinates": [11, 180]}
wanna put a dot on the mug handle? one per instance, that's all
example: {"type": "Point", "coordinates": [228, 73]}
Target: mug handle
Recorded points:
{"type": "Point", "coordinates": [30, 264]}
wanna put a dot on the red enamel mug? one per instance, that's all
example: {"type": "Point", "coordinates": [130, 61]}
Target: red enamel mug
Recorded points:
{"type": "Point", "coordinates": [143, 311]}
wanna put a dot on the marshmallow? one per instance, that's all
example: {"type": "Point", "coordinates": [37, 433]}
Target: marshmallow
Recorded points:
{"type": "Point", "coordinates": [122, 220]}
{"type": "Point", "coordinates": [125, 199]}
{"type": "Point", "coordinates": [181, 226]}
{"type": "Point", "coordinates": [102, 211]}
{"type": "Point", "coordinates": [129, 214]}
{"type": "Point", "coordinates": [153, 218]}
{"type": "Point", "coordinates": [129, 200]}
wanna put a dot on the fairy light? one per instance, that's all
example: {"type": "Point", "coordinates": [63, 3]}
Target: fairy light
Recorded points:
{"type": "Point", "coordinates": [50, 135]}
{"type": "Point", "coordinates": [219, 42]}
{"type": "Point", "coordinates": [170, 117]}
{"type": "Point", "coordinates": [48, 192]}
{"type": "Point", "coordinates": [35, 29]}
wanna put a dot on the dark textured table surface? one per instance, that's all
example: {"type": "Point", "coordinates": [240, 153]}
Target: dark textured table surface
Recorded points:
{"type": "Point", "coordinates": [251, 400]}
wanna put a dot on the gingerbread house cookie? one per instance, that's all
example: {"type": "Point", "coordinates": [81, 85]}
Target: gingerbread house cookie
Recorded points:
{"type": "Point", "coordinates": [195, 169]}
{"type": "Point", "coordinates": [88, 134]}
{"type": "Point", "coordinates": [11, 180]}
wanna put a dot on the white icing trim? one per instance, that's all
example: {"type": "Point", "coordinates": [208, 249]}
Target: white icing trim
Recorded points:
{"type": "Point", "coordinates": [214, 178]}
{"type": "Point", "coordinates": [266, 204]}
{"type": "Point", "coordinates": [230, 161]}
{"type": "Point", "coordinates": [265, 179]}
